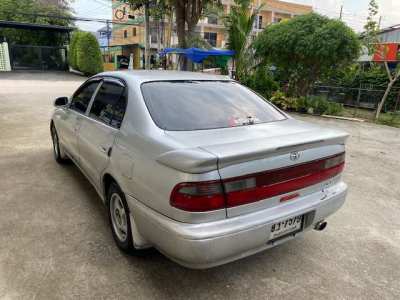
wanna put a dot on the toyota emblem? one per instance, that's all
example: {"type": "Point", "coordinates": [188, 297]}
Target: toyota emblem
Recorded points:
{"type": "Point", "coordinates": [294, 156]}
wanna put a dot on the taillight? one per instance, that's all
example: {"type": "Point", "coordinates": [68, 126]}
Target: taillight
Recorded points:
{"type": "Point", "coordinates": [256, 187]}
{"type": "Point", "coordinates": [212, 195]}
{"type": "Point", "coordinates": [198, 196]}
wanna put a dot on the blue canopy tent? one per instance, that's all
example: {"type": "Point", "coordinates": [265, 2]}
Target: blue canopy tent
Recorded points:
{"type": "Point", "coordinates": [197, 55]}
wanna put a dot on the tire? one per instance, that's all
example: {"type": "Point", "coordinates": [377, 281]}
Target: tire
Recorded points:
{"type": "Point", "coordinates": [58, 156]}
{"type": "Point", "coordinates": [120, 223]}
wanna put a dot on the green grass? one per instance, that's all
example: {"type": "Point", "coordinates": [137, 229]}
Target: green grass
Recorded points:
{"type": "Point", "coordinates": [390, 119]}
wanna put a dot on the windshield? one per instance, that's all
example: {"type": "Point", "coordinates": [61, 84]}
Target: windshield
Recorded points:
{"type": "Point", "coordinates": [198, 105]}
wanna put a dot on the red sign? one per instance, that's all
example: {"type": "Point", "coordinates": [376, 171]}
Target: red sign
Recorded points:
{"type": "Point", "coordinates": [387, 52]}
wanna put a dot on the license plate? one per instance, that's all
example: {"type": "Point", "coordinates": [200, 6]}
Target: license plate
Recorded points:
{"type": "Point", "coordinates": [286, 227]}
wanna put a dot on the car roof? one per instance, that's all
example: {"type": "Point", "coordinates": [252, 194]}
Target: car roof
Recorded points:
{"type": "Point", "coordinates": [161, 75]}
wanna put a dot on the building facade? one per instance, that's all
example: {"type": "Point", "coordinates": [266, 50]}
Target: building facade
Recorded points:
{"type": "Point", "coordinates": [388, 48]}
{"type": "Point", "coordinates": [271, 11]}
{"type": "Point", "coordinates": [103, 36]}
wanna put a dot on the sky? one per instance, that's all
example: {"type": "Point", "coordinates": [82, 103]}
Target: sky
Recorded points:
{"type": "Point", "coordinates": [354, 11]}
{"type": "Point", "coordinates": [97, 9]}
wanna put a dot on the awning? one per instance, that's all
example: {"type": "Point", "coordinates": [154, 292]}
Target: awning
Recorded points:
{"type": "Point", "coordinates": [197, 55]}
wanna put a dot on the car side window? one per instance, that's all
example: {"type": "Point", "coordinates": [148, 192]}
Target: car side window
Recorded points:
{"type": "Point", "coordinates": [109, 104]}
{"type": "Point", "coordinates": [80, 100]}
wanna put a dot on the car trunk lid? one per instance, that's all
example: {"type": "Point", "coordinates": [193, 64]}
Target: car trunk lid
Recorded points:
{"type": "Point", "coordinates": [261, 154]}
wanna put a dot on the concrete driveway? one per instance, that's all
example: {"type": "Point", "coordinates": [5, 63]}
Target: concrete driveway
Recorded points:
{"type": "Point", "coordinates": [55, 241]}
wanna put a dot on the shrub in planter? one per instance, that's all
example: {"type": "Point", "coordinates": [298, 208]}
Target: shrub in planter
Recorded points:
{"type": "Point", "coordinates": [88, 55]}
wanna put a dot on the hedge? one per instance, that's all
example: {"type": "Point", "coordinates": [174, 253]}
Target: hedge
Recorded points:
{"type": "Point", "coordinates": [84, 53]}
{"type": "Point", "coordinates": [72, 50]}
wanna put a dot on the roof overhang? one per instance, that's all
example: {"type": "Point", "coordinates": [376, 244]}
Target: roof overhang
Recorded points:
{"type": "Point", "coordinates": [31, 26]}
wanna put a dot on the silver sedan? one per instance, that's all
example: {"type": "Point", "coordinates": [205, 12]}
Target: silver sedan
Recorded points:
{"type": "Point", "coordinates": [198, 166]}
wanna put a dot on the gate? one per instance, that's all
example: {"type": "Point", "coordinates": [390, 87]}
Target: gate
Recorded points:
{"type": "Point", "coordinates": [26, 57]}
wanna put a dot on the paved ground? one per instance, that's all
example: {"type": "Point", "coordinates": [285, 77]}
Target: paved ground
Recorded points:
{"type": "Point", "coordinates": [55, 241]}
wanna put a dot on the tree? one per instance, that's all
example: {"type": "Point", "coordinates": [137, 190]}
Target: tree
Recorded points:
{"type": "Point", "coordinates": [34, 11]}
{"type": "Point", "coordinates": [306, 48]}
{"type": "Point", "coordinates": [239, 23]}
{"type": "Point", "coordinates": [371, 41]}
{"type": "Point", "coordinates": [370, 35]}
{"type": "Point", "coordinates": [187, 15]}
{"type": "Point", "coordinates": [393, 77]}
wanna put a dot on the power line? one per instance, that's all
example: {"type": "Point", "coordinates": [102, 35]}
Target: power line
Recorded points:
{"type": "Point", "coordinates": [90, 10]}
{"type": "Point", "coordinates": [81, 19]}
{"type": "Point", "coordinates": [104, 4]}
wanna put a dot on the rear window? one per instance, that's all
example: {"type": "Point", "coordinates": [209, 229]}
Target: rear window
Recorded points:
{"type": "Point", "coordinates": [197, 105]}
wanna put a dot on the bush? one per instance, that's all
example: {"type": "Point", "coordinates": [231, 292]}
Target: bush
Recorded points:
{"type": "Point", "coordinates": [283, 102]}
{"type": "Point", "coordinates": [84, 53]}
{"type": "Point", "coordinates": [318, 104]}
{"type": "Point", "coordinates": [262, 82]}
{"type": "Point", "coordinates": [334, 109]}
{"type": "Point", "coordinates": [368, 76]}
{"type": "Point", "coordinates": [88, 54]}
{"type": "Point", "coordinates": [306, 48]}
{"type": "Point", "coordinates": [73, 50]}
{"type": "Point", "coordinates": [310, 105]}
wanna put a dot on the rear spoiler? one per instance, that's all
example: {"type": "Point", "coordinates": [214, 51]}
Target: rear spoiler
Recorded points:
{"type": "Point", "coordinates": [200, 160]}
{"type": "Point", "coordinates": [194, 161]}
{"type": "Point", "coordinates": [264, 148]}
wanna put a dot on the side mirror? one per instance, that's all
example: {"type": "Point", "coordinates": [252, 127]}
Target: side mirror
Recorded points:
{"type": "Point", "coordinates": [61, 101]}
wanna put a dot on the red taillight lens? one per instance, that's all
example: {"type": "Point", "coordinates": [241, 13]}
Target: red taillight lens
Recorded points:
{"type": "Point", "coordinates": [213, 195]}
{"type": "Point", "coordinates": [198, 196]}
{"type": "Point", "coordinates": [268, 184]}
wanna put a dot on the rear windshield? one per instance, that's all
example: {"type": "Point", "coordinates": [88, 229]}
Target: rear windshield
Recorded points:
{"type": "Point", "coordinates": [198, 105]}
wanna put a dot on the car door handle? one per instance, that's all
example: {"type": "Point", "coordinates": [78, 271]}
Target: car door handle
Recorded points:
{"type": "Point", "coordinates": [106, 150]}
{"type": "Point", "coordinates": [77, 127]}
{"type": "Point", "coordinates": [78, 124]}
{"type": "Point", "coordinates": [103, 149]}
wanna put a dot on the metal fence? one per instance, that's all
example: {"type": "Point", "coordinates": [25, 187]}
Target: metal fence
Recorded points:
{"type": "Point", "coordinates": [368, 98]}
{"type": "Point", "coordinates": [27, 57]}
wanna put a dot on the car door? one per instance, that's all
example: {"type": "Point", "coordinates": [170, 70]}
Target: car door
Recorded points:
{"type": "Point", "coordinates": [100, 126]}
{"type": "Point", "coordinates": [71, 120]}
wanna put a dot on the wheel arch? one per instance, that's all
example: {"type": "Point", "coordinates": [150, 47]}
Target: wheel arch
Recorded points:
{"type": "Point", "coordinates": [139, 242]}
{"type": "Point", "coordinates": [108, 179]}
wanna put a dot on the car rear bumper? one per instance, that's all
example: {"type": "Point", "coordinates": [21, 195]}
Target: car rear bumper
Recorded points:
{"type": "Point", "coordinates": [210, 244]}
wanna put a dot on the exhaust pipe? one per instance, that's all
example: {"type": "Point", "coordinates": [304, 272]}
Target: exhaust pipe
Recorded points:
{"type": "Point", "coordinates": [321, 225]}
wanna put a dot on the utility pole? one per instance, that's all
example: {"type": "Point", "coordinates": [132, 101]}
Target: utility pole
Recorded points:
{"type": "Point", "coordinates": [108, 33]}
{"type": "Point", "coordinates": [379, 22]}
{"type": "Point", "coordinates": [341, 12]}
{"type": "Point", "coordinates": [146, 36]}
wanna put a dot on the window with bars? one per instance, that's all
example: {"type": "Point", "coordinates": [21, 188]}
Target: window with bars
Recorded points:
{"type": "Point", "coordinates": [211, 38]}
